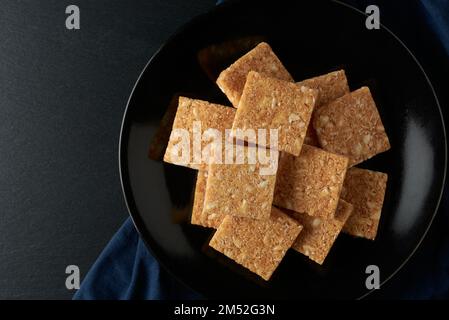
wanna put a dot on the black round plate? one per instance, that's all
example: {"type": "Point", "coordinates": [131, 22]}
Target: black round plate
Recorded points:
{"type": "Point", "coordinates": [311, 38]}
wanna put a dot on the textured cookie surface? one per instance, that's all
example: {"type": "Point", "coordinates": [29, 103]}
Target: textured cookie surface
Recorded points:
{"type": "Point", "coordinates": [239, 189]}
{"type": "Point", "coordinates": [209, 219]}
{"type": "Point", "coordinates": [160, 139]}
{"type": "Point", "coordinates": [258, 245]}
{"type": "Point", "coordinates": [310, 183]}
{"type": "Point", "coordinates": [273, 104]}
{"type": "Point", "coordinates": [330, 86]}
{"type": "Point", "coordinates": [318, 235]}
{"type": "Point", "coordinates": [351, 126]}
{"type": "Point", "coordinates": [196, 116]}
{"type": "Point", "coordinates": [365, 190]}
{"type": "Point", "coordinates": [261, 59]}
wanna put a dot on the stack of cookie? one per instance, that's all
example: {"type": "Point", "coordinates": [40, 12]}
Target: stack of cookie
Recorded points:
{"type": "Point", "coordinates": [318, 131]}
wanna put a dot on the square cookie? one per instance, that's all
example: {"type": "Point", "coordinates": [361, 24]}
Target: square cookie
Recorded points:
{"type": "Point", "coordinates": [261, 59]}
{"type": "Point", "coordinates": [214, 58]}
{"type": "Point", "coordinates": [258, 245]}
{"type": "Point", "coordinates": [269, 103]}
{"type": "Point", "coordinates": [310, 183]}
{"type": "Point", "coordinates": [240, 189]}
{"type": "Point", "coordinates": [330, 86]}
{"type": "Point", "coordinates": [210, 219]}
{"type": "Point", "coordinates": [365, 190]}
{"type": "Point", "coordinates": [351, 126]}
{"type": "Point", "coordinates": [160, 139]}
{"type": "Point", "coordinates": [195, 118]}
{"type": "Point", "coordinates": [318, 235]}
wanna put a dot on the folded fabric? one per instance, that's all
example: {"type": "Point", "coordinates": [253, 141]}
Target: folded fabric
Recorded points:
{"type": "Point", "coordinates": [126, 270]}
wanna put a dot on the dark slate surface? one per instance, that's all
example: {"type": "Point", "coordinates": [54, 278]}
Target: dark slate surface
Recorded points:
{"type": "Point", "coordinates": [62, 98]}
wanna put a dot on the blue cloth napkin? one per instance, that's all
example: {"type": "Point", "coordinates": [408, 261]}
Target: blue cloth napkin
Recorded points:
{"type": "Point", "coordinates": [126, 269]}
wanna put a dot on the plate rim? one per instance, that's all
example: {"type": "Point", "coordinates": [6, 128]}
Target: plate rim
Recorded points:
{"type": "Point", "coordinates": [124, 128]}
{"type": "Point", "coordinates": [443, 182]}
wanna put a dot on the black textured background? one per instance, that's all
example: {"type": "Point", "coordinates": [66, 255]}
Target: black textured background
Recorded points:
{"type": "Point", "coordinates": [62, 95]}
